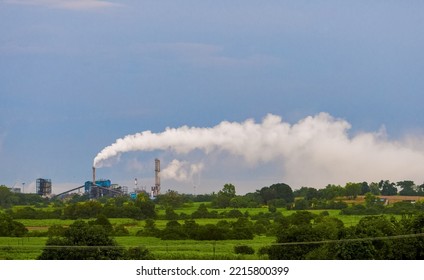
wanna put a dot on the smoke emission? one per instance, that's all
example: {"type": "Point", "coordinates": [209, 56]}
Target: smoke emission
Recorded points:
{"type": "Point", "coordinates": [181, 170]}
{"type": "Point", "coordinates": [315, 151]}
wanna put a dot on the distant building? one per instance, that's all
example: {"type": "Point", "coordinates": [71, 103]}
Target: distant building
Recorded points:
{"type": "Point", "coordinates": [44, 187]}
{"type": "Point", "coordinates": [15, 190]}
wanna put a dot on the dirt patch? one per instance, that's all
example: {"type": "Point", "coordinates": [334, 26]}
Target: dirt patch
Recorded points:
{"type": "Point", "coordinates": [37, 228]}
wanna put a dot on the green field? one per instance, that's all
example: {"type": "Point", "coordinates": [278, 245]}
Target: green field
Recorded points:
{"type": "Point", "coordinates": [31, 247]}
{"type": "Point", "coordinates": [27, 248]}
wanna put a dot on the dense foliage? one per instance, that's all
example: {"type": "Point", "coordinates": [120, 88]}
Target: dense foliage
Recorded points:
{"type": "Point", "coordinates": [223, 230]}
{"type": "Point", "coordinates": [305, 236]}
{"type": "Point", "coordinates": [88, 241]}
{"type": "Point", "coordinates": [8, 198]}
{"type": "Point", "coordinates": [302, 235]}
{"type": "Point", "coordinates": [9, 227]}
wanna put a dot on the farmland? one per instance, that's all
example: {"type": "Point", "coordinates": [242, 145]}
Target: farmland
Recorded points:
{"type": "Point", "coordinates": [30, 247]}
{"type": "Point", "coordinates": [272, 223]}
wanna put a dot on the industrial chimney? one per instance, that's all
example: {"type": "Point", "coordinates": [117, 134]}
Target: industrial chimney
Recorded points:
{"type": "Point", "coordinates": [157, 177]}
{"type": "Point", "coordinates": [94, 176]}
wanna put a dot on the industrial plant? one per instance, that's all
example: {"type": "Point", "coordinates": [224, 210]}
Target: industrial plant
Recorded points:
{"type": "Point", "coordinates": [97, 188]}
{"type": "Point", "coordinates": [43, 187]}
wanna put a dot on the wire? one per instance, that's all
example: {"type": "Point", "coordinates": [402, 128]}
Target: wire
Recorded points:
{"type": "Point", "coordinates": [352, 239]}
{"type": "Point", "coordinates": [212, 243]}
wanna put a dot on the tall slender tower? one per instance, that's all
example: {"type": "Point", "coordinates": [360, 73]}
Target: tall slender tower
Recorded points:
{"type": "Point", "coordinates": [94, 176]}
{"type": "Point", "coordinates": [157, 177]}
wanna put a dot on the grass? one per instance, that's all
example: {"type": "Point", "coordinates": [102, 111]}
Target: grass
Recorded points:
{"type": "Point", "coordinates": [192, 249]}
{"type": "Point", "coordinates": [31, 247]}
{"type": "Point", "coordinates": [21, 248]}
{"type": "Point", "coordinates": [28, 248]}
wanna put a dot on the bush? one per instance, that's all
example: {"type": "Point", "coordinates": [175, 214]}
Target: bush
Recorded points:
{"type": "Point", "coordinates": [234, 213]}
{"type": "Point", "coordinates": [56, 230]}
{"type": "Point", "coordinates": [9, 227]}
{"type": "Point", "coordinates": [82, 241]}
{"type": "Point", "coordinates": [120, 230]}
{"type": "Point", "coordinates": [263, 251]}
{"type": "Point", "coordinates": [244, 249]}
{"type": "Point", "coordinates": [138, 253]}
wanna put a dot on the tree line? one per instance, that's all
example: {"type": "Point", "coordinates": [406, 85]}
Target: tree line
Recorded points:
{"type": "Point", "coordinates": [89, 241]}
{"type": "Point", "coordinates": [275, 196]}
{"type": "Point", "coordinates": [302, 235]}
{"type": "Point", "coordinates": [308, 236]}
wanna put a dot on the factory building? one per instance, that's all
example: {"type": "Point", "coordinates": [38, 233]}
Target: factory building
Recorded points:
{"type": "Point", "coordinates": [43, 187]}
{"type": "Point", "coordinates": [99, 188]}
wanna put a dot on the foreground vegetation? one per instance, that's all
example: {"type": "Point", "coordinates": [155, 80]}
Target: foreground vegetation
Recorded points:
{"type": "Point", "coordinates": [351, 222]}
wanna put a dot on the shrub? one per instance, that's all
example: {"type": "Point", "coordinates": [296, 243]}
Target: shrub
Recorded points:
{"type": "Point", "coordinates": [82, 241]}
{"type": "Point", "coordinates": [244, 249]}
{"type": "Point", "coordinates": [138, 253]}
{"type": "Point", "coordinates": [234, 213]}
{"type": "Point", "coordinates": [9, 227]}
{"type": "Point", "coordinates": [120, 230]}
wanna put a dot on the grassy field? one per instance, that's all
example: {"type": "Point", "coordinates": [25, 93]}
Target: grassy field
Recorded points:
{"type": "Point", "coordinates": [27, 248]}
{"type": "Point", "coordinates": [192, 249]}
{"type": "Point", "coordinates": [31, 247]}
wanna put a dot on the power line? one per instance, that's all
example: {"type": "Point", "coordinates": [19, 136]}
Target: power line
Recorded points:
{"type": "Point", "coordinates": [352, 239]}
{"type": "Point", "coordinates": [404, 236]}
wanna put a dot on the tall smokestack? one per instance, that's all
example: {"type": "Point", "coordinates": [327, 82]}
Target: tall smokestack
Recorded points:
{"type": "Point", "coordinates": [157, 177]}
{"type": "Point", "coordinates": [94, 176]}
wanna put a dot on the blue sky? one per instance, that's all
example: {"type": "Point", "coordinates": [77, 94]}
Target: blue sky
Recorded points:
{"type": "Point", "coordinates": [77, 75]}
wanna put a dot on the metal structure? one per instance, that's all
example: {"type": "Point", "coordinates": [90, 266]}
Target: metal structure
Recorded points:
{"type": "Point", "coordinates": [94, 175]}
{"type": "Point", "coordinates": [99, 188]}
{"type": "Point", "coordinates": [156, 188]}
{"type": "Point", "coordinates": [43, 187]}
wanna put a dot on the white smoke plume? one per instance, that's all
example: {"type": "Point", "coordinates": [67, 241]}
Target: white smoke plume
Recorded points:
{"type": "Point", "coordinates": [181, 170]}
{"type": "Point", "coordinates": [316, 150]}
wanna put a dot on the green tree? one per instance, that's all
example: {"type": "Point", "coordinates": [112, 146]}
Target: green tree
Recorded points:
{"type": "Point", "coordinates": [103, 221]}
{"type": "Point", "coordinates": [82, 241]}
{"type": "Point", "coordinates": [364, 188]}
{"type": "Point", "coordinates": [277, 191]}
{"type": "Point", "coordinates": [353, 190]}
{"type": "Point", "coordinates": [375, 188]}
{"type": "Point", "coordinates": [173, 231]}
{"type": "Point", "coordinates": [150, 229]}
{"type": "Point", "coordinates": [370, 199]}
{"type": "Point", "coordinates": [191, 228]}
{"type": "Point", "coordinates": [224, 196]}
{"type": "Point", "coordinates": [295, 242]}
{"type": "Point", "coordinates": [387, 188]}
{"type": "Point", "coordinates": [407, 188]}
{"type": "Point", "coordinates": [373, 239]}
{"type": "Point", "coordinates": [330, 192]}
{"type": "Point", "coordinates": [9, 227]}
{"type": "Point", "coordinates": [146, 206]}
{"type": "Point", "coordinates": [5, 197]}
{"type": "Point", "coordinates": [242, 229]}
{"type": "Point", "coordinates": [201, 212]}
{"type": "Point", "coordinates": [56, 230]}
{"type": "Point", "coordinates": [420, 190]}
{"type": "Point", "coordinates": [170, 214]}
{"type": "Point", "coordinates": [171, 199]}
{"type": "Point", "coordinates": [138, 253]}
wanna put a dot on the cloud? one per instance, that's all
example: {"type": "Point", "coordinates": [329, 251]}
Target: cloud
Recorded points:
{"type": "Point", "coordinates": [67, 4]}
{"type": "Point", "coordinates": [181, 170]}
{"type": "Point", "coordinates": [315, 151]}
